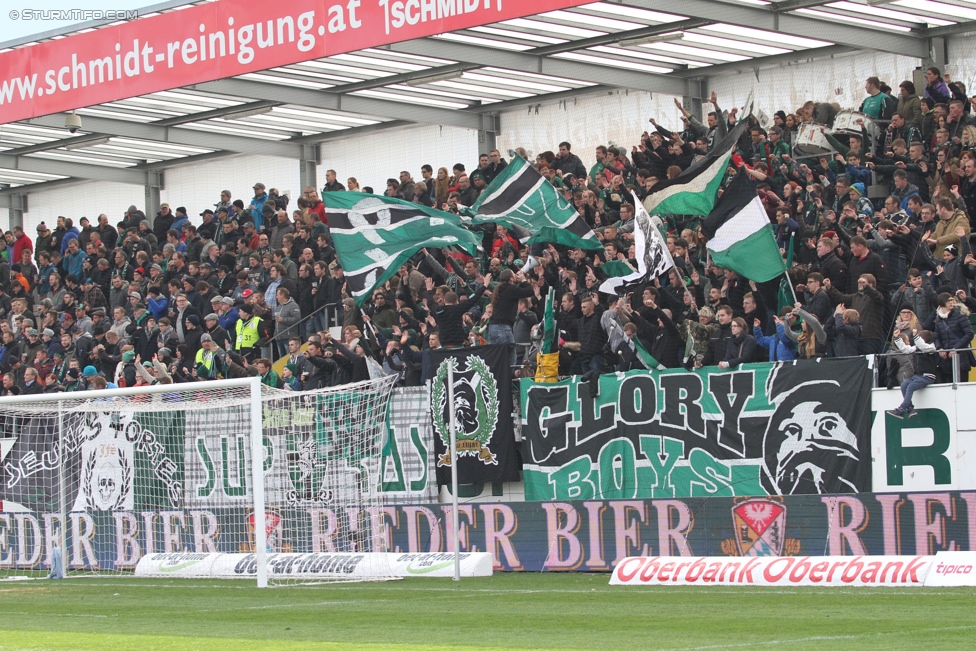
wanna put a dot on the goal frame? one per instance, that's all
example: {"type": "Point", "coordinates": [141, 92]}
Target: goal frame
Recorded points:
{"type": "Point", "coordinates": [257, 448]}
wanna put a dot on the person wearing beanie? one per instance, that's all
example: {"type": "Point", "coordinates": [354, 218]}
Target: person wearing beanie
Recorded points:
{"type": "Point", "coordinates": [289, 378]}
{"type": "Point", "coordinates": [858, 194]}
{"type": "Point", "coordinates": [73, 381]}
{"type": "Point", "coordinates": [247, 332]}
{"type": "Point", "coordinates": [193, 334]}
{"type": "Point", "coordinates": [125, 372]}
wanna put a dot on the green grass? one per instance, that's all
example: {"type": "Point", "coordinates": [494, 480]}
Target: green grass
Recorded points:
{"type": "Point", "coordinates": [509, 611]}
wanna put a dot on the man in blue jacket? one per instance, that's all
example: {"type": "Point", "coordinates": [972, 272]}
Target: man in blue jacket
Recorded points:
{"type": "Point", "coordinates": [260, 196]}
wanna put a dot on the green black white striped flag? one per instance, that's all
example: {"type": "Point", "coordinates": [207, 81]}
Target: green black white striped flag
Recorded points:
{"type": "Point", "coordinates": [740, 235]}
{"type": "Point", "coordinates": [522, 197]}
{"type": "Point", "coordinates": [375, 235]}
{"type": "Point", "coordinates": [694, 191]}
{"type": "Point", "coordinates": [644, 355]}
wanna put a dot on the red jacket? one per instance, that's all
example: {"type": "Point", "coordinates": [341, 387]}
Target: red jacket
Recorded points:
{"type": "Point", "coordinates": [21, 244]}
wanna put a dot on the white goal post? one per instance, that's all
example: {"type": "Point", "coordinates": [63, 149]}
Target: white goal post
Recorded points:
{"type": "Point", "coordinates": [225, 479]}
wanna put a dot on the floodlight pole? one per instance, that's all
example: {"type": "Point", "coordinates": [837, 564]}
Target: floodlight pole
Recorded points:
{"type": "Point", "coordinates": [454, 473]}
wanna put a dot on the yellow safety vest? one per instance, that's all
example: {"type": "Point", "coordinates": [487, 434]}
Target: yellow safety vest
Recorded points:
{"type": "Point", "coordinates": [205, 357]}
{"type": "Point", "coordinates": [247, 333]}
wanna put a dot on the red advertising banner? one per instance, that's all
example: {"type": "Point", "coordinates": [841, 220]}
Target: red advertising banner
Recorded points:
{"type": "Point", "coordinates": [224, 39]}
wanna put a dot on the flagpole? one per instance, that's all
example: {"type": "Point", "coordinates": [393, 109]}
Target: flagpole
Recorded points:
{"type": "Point", "coordinates": [789, 265]}
{"type": "Point", "coordinates": [456, 533]}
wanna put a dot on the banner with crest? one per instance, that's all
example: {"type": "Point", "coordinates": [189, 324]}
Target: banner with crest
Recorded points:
{"type": "Point", "coordinates": [483, 413]}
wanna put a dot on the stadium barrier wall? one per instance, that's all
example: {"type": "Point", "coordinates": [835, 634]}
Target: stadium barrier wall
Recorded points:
{"type": "Point", "coordinates": [590, 536]}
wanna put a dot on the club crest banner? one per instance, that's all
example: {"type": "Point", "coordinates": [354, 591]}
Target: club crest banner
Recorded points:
{"type": "Point", "coordinates": [482, 409]}
{"type": "Point", "coordinates": [762, 429]}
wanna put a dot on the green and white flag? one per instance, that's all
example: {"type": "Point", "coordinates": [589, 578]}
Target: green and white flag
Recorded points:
{"type": "Point", "coordinates": [375, 235]}
{"type": "Point", "coordinates": [740, 235]}
{"type": "Point", "coordinates": [523, 198]}
{"type": "Point", "coordinates": [693, 192]}
{"type": "Point", "coordinates": [644, 355]}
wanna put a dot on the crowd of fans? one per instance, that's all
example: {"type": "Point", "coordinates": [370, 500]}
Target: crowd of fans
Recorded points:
{"type": "Point", "coordinates": [184, 297]}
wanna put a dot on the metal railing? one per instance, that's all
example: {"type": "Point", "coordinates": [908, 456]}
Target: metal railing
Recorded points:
{"type": "Point", "coordinates": [954, 357]}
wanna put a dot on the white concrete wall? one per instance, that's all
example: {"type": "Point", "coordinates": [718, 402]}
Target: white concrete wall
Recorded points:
{"type": "Point", "coordinates": [840, 80]}
{"type": "Point", "coordinates": [88, 199]}
{"type": "Point", "coordinates": [374, 158]}
{"type": "Point", "coordinates": [198, 186]}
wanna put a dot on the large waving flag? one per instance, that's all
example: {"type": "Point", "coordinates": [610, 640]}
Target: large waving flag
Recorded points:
{"type": "Point", "coordinates": [522, 197]}
{"type": "Point", "coordinates": [693, 192]}
{"type": "Point", "coordinates": [653, 257]}
{"type": "Point", "coordinates": [739, 234]}
{"type": "Point", "coordinates": [375, 235]}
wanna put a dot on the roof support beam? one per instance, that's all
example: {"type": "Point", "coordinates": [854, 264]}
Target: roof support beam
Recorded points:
{"type": "Point", "coordinates": [175, 135]}
{"type": "Point", "coordinates": [77, 170]}
{"type": "Point", "coordinates": [548, 98]}
{"type": "Point", "coordinates": [616, 37]}
{"type": "Point", "coordinates": [355, 132]}
{"type": "Point", "coordinates": [339, 102]}
{"type": "Point", "coordinates": [536, 64]}
{"type": "Point", "coordinates": [401, 78]}
{"type": "Point", "coordinates": [949, 30]}
{"type": "Point", "coordinates": [792, 5]}
{"type": "Point", "coordinates": [32, 188]}
{"type": "Point", "coordinates": [796, 25]}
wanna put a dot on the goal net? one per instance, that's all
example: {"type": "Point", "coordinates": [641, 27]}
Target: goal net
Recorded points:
{"type": "Point", "coordinates": [214, 479]}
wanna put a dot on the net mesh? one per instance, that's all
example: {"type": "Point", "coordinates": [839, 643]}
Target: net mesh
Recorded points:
{"type": "Point", "coordinates": [103, 483]}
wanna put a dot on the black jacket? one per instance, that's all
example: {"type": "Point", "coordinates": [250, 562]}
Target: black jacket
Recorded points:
{"type": "Point", "coordinates": [718, 345]}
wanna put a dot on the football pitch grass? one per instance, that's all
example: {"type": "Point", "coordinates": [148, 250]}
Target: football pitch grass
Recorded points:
{"type": "Point", "coordinates": [506, 611]}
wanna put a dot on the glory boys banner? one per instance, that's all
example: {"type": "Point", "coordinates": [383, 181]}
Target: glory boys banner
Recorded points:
{"type": "Point", "coordinates": [216, 40]}
{"type": "Point", "coordinates": [482, 408]}
{"type": "Point", "coordinates": [781, 429]}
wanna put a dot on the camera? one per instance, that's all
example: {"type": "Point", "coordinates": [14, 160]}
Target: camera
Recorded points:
{"type": "Point", "coordinates": [72, 122]}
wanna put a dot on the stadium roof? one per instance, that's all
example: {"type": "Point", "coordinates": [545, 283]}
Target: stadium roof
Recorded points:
{"type": "Point", "coordinates": [462, 78]}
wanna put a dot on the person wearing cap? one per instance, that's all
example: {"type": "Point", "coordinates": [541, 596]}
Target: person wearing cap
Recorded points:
{"type": "Point", "coordinates": [211, 357]}
{"type": "Point", "coordinates": [214, 330]}
{"type": "Point", "coordinates": [780, 147]}
{"type": "Point", "coordinates": [257, 202]}
{"type": "Point", "coordinates": [228, 315]}
{"type": "Point", "coordinates": [163, 222]}
{"type": "Point", "coordinates": [43, 242]}
{"type": "Point", "coordinates": [31, 345]}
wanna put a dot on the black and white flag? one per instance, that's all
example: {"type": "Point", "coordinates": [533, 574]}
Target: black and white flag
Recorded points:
{"type": "Point", "coordinates": [653, 257]}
